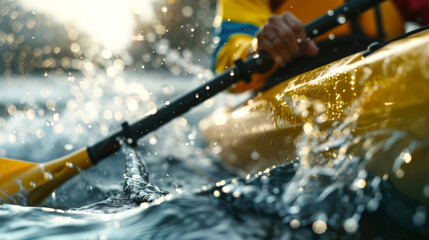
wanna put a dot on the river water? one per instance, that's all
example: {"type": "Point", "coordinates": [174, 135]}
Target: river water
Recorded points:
{"type": "Point", "coordinates": [52, 115]}
{"type": "Point", "coordinates": [172, 186]}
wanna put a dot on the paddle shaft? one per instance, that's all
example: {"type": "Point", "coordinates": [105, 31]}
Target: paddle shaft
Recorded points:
{"type": "Point", "coordinates": [259, 64]}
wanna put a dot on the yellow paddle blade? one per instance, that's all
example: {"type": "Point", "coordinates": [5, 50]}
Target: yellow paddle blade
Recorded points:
{"type": "Point", "coordinates": [30, 183]}
{"type": "Point", "coordinates": [12, 167]}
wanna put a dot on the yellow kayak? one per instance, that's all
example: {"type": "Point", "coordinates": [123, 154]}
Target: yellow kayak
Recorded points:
{"type": "Point", "coordinates": [378, 103]}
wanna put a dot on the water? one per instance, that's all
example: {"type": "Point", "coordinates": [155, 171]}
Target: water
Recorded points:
{"type": "Point", "coordinates": [173, 156]}
{"type": "Point", "coordinates": [170, 188]}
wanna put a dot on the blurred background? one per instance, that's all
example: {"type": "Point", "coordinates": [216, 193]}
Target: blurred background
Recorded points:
{"type": "Point", "coordinates": [75, 69]}
{"type": "Point", "coordinates": [72, 71]}
{"type": "Point", "coordinates": [60, 36]}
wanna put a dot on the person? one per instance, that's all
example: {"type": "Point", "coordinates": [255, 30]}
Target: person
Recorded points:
{"type": "Point", "coordinates": [245, 27]}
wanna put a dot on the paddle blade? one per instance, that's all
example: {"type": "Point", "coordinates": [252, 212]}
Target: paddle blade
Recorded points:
{"type": "Point", "coordinates": [11, 167]}
{"type": "Point", "coordinates": [30, 184]}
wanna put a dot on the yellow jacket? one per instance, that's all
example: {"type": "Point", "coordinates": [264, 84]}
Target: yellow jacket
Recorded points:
{"type": "Point", "coordinates": [238, 21]}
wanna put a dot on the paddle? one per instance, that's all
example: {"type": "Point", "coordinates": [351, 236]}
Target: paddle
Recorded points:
{"type": "Point", "coordinates": [30, 183]}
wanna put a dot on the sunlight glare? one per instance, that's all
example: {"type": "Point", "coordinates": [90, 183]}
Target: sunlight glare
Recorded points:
{"type": "Point", "coordinates": [107, 22]}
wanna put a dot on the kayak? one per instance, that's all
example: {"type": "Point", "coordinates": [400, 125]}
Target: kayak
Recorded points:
{"type": "Point", "coordinates": [376, 101]}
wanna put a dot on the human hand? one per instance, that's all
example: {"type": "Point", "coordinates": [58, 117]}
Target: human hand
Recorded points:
{"type": "Point", "coordinates": [283, 38]}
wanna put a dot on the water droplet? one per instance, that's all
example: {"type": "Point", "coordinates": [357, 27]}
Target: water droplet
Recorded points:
{"type": "Point", "coordinates": [276, 190]}
{"type": "Point", "coordinates": [48, 123]}
{"type": "Point", "coordinates": [295, 209]}
{"type": "Point", "coordinates": [254, 155]}
{"type": "Point", "coordinates": [167, 89]}
{"type": "Point", "coordinates": [153, 140]}
{"type": "Point", "coordinates": [315, 31]}
{"type": "Point", "coordinates": [221, 183]}
{"type": "Point", "coordinates": [341, 19]}
{"type": "Point", "coordinates": [308, 128]}
{"type": "Point", "coordinates": [48, 175]}
{"type": "Point", "coordinates": [216, 193]}
{"type": "Point", "coordinates": [406, 156]}
{"type": "Point", "coordinates": [372, 205]}
{"type": "Point", "coordinates": [197, 95]}
{"type": "Point", "coordinates": [350, 225]}
{"type": "Point", "coordinates": [192, 136]}
{"type": "Point", "coordinates": [322, 118]}
{"type": "Point", "coordinates": [69, 164]}
{"type": "Point", "coordinates": [236, 194]}
{"type": "Point", "coordinates": [400, 173]}
{"type": "Point", "coordinates": [337, 133]}
{"type": "Point", "coordinates": [187, 11]}
{"type": "Point", "coordinates": [295, 224]}
{"type": "Point", "coordinates": [33, 184]}
{"type": "Point", "coordinates": [68, 147]}
{"type": "Point", "coordinates": [231, 73]}
{"type": "Point", "coordinates": [216, 149]}
{"type": "Point", "coordinates": [11, 109]}
{"type": "Point", "coordinates": [56, 117]}
{"type": "Point", "coordinates": [226, 189]}
{"type": "Point", "coordinates": [319, 227]}
{"type": "Point", "coordinates": [330, 13]}
{"type": "Point", "coordinates": [361, 183]}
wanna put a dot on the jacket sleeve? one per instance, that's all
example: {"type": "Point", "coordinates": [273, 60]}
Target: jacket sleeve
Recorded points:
{"type": "Point", "coordinates": [237, 22]}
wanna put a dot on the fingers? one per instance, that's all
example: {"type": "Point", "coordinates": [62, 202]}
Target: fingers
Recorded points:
{"type": "Point", "coordinates": [306, 47]}
{"type": "Point", "coordinates": [288, 29]}
{"type": "Point", "coordinates": [297, 33]}
{"type": "Point", "coordinates": [284, 38]}
{"type": "Point", "coordinates": [270, 42]}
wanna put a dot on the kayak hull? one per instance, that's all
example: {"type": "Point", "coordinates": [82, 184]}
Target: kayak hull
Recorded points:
{"type": "Point", "coordinates": [361, 96]}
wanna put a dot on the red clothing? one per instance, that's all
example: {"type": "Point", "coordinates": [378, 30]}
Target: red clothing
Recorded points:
{"type": "Point", "coordinates": [414, 10]}
{"type": "Point", "coordinates": [411, 10]}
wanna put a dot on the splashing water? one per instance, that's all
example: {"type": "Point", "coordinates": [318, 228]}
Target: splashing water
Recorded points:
{"type": "Point", "coordinates": [327, 193]}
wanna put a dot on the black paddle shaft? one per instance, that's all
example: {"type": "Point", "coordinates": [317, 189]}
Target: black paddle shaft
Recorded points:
{"type": "Point", "coordinates": [241, 71]}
